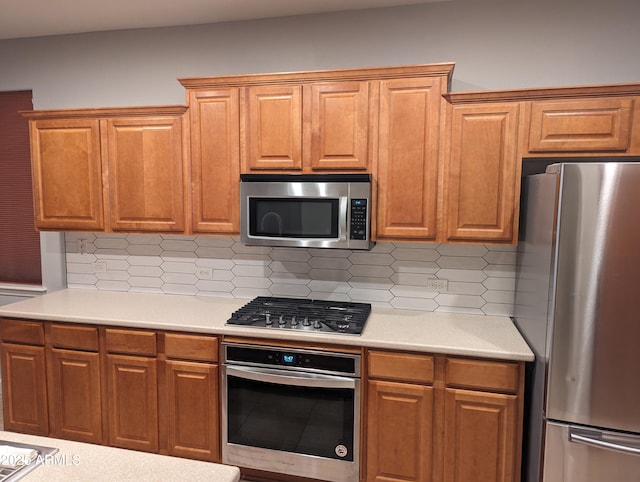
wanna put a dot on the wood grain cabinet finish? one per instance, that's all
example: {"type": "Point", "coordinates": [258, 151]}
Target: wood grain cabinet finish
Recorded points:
{"type": "Point", "coordinates": [399, 424]}
{"type": "Point", "coordinates": [308, 127]}
{"type": "Point", "coordinates": [24, 383]}
{"type": "Point", "coordinates": [67, 174]}
{"type": "Point", "coordinates": [111, 169]}
{"type": "Point", "coordinates": [481, 173]}
{"type": "Point", "coordinates": [408, 158]}
{"type": "Point", "coordinates": [399, 432]}
{"type": "Point", "coordinates": [192, 396]}
{"type": "Point", "coordinates": [480, 437]}
{"type": "Point", "coordinates": [75, 399]}
{"type": "Point", "coordinates": [215, 160]}
{"type": "Point", "coordinates": [146, 184]}
{"type": "Point", "coordinates": [24, 389]}
{"type": "Point", "coordinates": [133, 402]}
{"type": "Point", "coordinates": [74, 382]}
{"type": "Point", "coordinates": [581, 125]}
{"type": "Point", "coordinates": [482, 420]}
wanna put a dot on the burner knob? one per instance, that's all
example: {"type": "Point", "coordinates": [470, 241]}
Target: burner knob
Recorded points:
{"type": "Point", "coordinates": [305, 322]}
{"type": "Point", "coordinates": [281, 321]}
{"type": "Point", "coordinates": [267, 319]}
{"type": "Point", "coordinates": [317, 325]}
{"type": "Point", "coordinates": [294, 321]}
{"type": "Point", "coordinates": [343, 327]}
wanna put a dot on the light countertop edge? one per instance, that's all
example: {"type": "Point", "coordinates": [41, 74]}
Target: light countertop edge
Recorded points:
{"type": "Point", "coordinates": [80, 462]}
{"type": "Point", "coordinates": [493, 337]}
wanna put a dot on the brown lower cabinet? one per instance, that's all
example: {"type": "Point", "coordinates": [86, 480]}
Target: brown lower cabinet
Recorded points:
{"type": "Point", "coordinates": [439, 418]}
{"type": "Point", "coordinates": [427, 417]}
{"type": "Point", "coordinates": [136, 389]}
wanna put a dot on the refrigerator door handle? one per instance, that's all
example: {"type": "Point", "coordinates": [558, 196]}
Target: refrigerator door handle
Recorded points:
{"type": "Point", "coordinates": [606, 440]}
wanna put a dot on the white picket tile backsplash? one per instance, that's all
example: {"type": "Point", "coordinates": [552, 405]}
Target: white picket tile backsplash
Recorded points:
{"type": "Point", "coordinates": [481, 278]}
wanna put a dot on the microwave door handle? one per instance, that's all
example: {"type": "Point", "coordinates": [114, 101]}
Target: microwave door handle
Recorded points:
{"type": "Point", "coordinates": [594, 438]}
{"type": "Point", "coordinates": [293, 379]}
{"type": "Point", "coordinates": [342, 224]}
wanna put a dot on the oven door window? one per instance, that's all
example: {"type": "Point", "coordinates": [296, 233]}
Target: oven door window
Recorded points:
{"type": "Point", "coordinates": [293, 217]}
{"type": "Point", "coordinates": [302, 420]}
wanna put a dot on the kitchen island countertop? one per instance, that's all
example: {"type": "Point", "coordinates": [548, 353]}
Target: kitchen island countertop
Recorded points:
{"type": "Point", "coordinates": [76, 461]}
{"type": "Point", "coordinates": [446, 333]}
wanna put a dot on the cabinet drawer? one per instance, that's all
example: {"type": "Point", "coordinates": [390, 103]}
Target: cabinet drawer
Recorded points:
{"type": "Point", "coordinates": [131, 342]}
{"type": "Point", "coordinates": [401, 366]}
{"type": "Point", "coordinates": [74, 337]}
{"type": "Point", "coordinates": [489, 375]}
{"type": "Point", "coordinates": [17, 331]}
{"type": "Point", "coordinates": [191, 347]}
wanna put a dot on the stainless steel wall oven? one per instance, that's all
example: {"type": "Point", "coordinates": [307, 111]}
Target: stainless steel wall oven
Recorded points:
{"type": "Point", "coordinates": [291, 411]}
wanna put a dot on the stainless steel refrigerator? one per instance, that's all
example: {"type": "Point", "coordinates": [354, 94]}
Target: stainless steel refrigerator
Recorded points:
{"type": "Point", "coordinates": [578, 305]}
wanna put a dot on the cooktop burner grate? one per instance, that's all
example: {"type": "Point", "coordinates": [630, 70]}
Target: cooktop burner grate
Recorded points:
{"type": "Point", "coordinates": [302, 314]}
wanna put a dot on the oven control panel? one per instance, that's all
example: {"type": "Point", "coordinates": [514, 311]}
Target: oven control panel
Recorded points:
{"type": "Point", "coordinates": [307, 360]}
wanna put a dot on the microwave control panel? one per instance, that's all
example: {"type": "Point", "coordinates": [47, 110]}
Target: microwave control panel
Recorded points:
{"type": "Point", "coordinates": [358, 228]}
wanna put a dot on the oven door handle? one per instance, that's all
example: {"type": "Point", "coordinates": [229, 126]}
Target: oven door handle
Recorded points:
{"type": "Point", "coordinates": [298, 379]}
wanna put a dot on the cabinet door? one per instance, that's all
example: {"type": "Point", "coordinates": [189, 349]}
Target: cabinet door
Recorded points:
{"type": "Point", "coordinates": [399, 432]}
{"type": "Point", "coordinates": [215, 161]}
{"type": "Point", "coordinates": [337, 135]}
{"type": "Point", "coordinates": [192, 418]}
{"type": "Point", "coordinates": [480, 440]}
{"type": "Point", "coordinates": [408, 158]}
{"type": "Point", "coordinates": [481, 175]}
{"type": "Point", "coordinates": [24, 389]}
{"type": "Point", "coordinates": [146, 174]}
{"type": "Point", "coordinates": [67, 174]}
{"type": "Point", "coordinates": [274, 128]}
{"type": "Point", "coordinates": [74, 395]}
{"type": "Point", "coordinates": [133, 402]}
{"type": "Point", "coordinates": [581, 125]}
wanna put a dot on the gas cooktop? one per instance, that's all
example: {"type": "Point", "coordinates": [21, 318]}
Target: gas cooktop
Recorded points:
{"type": "Point", "coordinates": [303, 315]}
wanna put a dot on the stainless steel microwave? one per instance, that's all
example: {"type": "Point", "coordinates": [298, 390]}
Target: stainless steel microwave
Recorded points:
{"type": "Point", "coordinates": [306, 210]}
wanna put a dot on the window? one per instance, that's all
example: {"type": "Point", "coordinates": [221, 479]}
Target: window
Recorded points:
{"type": "Point", "coordinates": [19, 240]}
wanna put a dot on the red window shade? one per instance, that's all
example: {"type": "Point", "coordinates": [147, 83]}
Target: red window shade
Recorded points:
{"type": "Point", "coordinates": [19, 240]}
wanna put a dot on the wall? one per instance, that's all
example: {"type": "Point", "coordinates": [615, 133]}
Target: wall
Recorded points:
{"type": "Point", "coordinates": [480, 278]}
{"type": "Point", "coordinates": [495, 45]}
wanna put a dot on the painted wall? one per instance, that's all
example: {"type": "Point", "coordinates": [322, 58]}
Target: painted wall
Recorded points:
{"type": "Point", "coordinates": [495, 45]}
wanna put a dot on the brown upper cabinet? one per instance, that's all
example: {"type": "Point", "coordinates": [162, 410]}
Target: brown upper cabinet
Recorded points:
{"type": "Point", "coordinates": [407, 171]}
{"type": "Point", "coordinates": [481, 172]}
{"type": "Point", "coordinates": [109, 169]}
{"type": "Point", "coordinates": [215, 160]}
{"type": "Point", "coordinates": [307, 127]}
{"type": "Point", "coordinates": [581, 125]}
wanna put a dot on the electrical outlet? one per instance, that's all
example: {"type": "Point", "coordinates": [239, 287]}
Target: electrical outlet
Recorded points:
{"type": "Point", "coordinates": [204, 273]}
{"type": "Point", "coordinates": [82, 246]}
{"type": "Point", "coordinates": [100, 267]}
{"type": "Point", "coordinates": [438, 284]}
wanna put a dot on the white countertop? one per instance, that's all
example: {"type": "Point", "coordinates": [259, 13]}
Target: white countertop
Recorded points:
{"type": "Point", "coordinates": [81, 462]}
{"type": "Point", "coordinates": [448, 333]}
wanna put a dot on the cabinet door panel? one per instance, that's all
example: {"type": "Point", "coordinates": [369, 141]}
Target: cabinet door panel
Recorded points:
{"type": "Point", "coordinates": [580, 125]}
{"type": "Point", "coordinates": [399, 432]}
{"type": "Point", "coordinates": [408, 158]}
{"type": "Point", "coordinates": [24, 389]}
{"type": "Point", "coordinates": [274, 119]}
{"type": "Point", "coordinates": [192, 418]}
{"type": "Point", "coordinates": [481, 178]}
{"type": "Point", "coordinates": [146, 174]}
{"type": "Point", "coordinates": [74, 396]}
{"type": "Point", "coordinates": [215, 161]}
{"type": "Point", "coordinates": [67, 174]}
{"type": "Point", "coordinates": [480, 441]}
{"type": "Point", "coordinates": [337, 137]}
{"type": "Point", "coordinates": [133, 402]}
